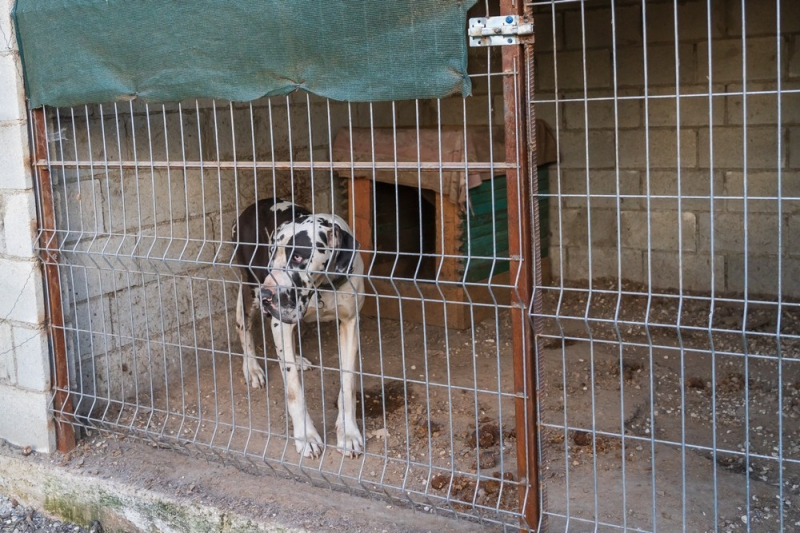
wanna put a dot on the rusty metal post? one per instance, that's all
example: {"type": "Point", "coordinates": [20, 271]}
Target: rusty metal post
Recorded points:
{"type": "Point", "coordinates": [520, 153]}
{"type": "Point", "coordinates": [62, 402]}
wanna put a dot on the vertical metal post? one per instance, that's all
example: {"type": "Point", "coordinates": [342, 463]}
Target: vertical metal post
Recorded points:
{"type": "Point", "coordinates": [518, 152]}
{"type": "Point", "coordinates": [65, 433]}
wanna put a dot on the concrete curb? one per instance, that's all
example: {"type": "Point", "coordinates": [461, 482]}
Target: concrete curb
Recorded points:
{"type": "Point", "coordinates": [118, 507]}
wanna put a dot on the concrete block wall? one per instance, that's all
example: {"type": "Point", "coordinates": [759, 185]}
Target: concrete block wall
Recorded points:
{"type": "Point", "coordinates": [24, 361]}
{"type": "Point", "coordinates": [635, 118]}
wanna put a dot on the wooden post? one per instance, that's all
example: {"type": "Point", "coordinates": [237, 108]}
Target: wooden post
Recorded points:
{"type": "Point", "coordinates": [62, 401]}
{"type": "Point", "coordinates": [448, 239]}
{"type": "Point", "coordinates": [359, 207]}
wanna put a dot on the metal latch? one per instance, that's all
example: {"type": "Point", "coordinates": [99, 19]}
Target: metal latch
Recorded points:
{"type": "Point", "coordinates": [500, 31]}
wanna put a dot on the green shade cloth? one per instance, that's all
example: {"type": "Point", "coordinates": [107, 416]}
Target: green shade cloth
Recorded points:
{"type": "Point", "coordinates": [93, 51]}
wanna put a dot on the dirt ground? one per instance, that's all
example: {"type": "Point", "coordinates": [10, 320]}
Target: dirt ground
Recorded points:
{"type": "Point", "coordinates": [684, 414]}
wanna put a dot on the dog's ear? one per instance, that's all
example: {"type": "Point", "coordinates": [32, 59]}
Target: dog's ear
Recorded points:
{"type": "Point", "coordinates": [344, 247]}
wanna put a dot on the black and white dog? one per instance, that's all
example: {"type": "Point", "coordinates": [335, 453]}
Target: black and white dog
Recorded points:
{"type": "Point", "coordinates": [306, 267]}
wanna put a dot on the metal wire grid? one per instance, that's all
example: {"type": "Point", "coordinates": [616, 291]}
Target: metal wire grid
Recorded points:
{"type": "Point", "coordinates": [668, 406]}
{"type": "Point", "coordinates": [145, 196]}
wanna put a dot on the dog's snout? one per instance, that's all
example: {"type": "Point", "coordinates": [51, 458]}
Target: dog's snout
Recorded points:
{"type": "Point", "coordinates": [266, 295]}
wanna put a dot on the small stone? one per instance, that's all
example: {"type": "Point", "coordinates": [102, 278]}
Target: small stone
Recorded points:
{"type": "Point", "coordinates": [26, 451]}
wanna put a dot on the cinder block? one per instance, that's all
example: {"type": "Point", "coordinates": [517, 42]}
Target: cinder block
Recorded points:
{"type": "Point", "coordinates": [8, 373]}
{"type": "Point", "coordinates": [666, 268]}
{"type": "Point", "coordinates": [81, 208]}
{"type": "Point", "coordinates": [763, 108]}
{"type": "Point", "coordinates": [692, 21]}
{"type": "Point", "coordinates": [604, 186]}
{"type": "Point", "coordinates": [19, 221]}
{"type": "Point", "coordinates": [660, 65]}
{"type": "Point", "coordinates": [762, 148]}
{"type": "Point", "coordinates": [695, 189]}
{"type": "Point", "coordinates": [547, 23]}
{"type": "Point", "coordinates": [570, 70]}
{"type": "Point", "coordinates": [21, 287]}
{"type": "Point", "coordinates": [794, 147]}
{"type": "Point", "coordinates": [729, 233]}
{"type": "Point", "coordinates": [595, 28]}
{"type": "Point", "coordinates": [92, 319]}
{"type": "Point", "coordinates": [726, 60]}
{"type": "Point", "coordinates": [793, 248]}
{"type": "Point", "coordinates": [790, 274]}
{"type": "Point", "coordinates": [663, 149]}
{"type": "Point", "coordinates": [31, 423]}
{"type": "Point", "coordinates": [794, 59]}
{"type": "Point", "coordinates": [573, 144]}
{"type": "Point", "coordinates": [662, 108]}
{"type": "Point", "coordinates": [762, 185]}
{"type": "Point", "coordinates": [14, 157]}
{"type": "Point", "coordinates": [32, 356]}
{"type": "Point", "coordinates": [604, 264]}
{"type": "Point", "coordinates": [575, 227]}
{"type": "Point", "coordinates": [762, 18]}
{"type": "Point", "coordinates": [602, 114]}
{"type": "Point", "coordinates": [759, 277]}
{"type": "Point", "coordinates": [12, 93]}
{"type": "Point", "coordinates": [546, 111]}
{"type": "Point", "coordinates": [663, 230]}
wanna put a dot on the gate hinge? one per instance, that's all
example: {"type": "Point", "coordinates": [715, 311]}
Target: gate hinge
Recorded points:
{"type": "Point", "coordinates": [500, 31]}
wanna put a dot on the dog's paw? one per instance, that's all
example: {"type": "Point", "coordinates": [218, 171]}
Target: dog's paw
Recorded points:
{"type": "Point", "coordinates": [309, 445]}
{"type": "Point", "coordinates": [254, 375]}
{"type": "Point", "coordinates": [350, 443]}
{"type": "Point", "coordinates": [303, 364]}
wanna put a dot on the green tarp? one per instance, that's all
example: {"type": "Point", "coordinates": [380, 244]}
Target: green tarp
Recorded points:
{"type": "Point", "coordinates": [93, 51]}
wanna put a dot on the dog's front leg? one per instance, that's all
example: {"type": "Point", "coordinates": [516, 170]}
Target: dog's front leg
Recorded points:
{"type": "Point", "coordinates": [348, 437]}
{"type": "Point", "coordinates": [306, 439]}
{"type": "Point", "coordinates": [253, 374]}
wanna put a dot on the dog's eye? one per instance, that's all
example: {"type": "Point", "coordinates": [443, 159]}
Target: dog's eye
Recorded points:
{"type": "Point", "coordinates": [297, 258]}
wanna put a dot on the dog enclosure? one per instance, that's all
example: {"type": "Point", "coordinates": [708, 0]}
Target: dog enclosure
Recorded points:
{"type": "Point", "coordinates": [581, 281]}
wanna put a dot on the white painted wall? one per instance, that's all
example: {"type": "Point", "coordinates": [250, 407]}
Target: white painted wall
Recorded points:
{"type": "Point", "coordinates": [24, 360]}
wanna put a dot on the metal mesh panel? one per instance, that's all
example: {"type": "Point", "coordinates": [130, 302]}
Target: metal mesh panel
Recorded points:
{"type": "Point", "coordinates": [145, 198]}
{"type": "Point", "coordinates": [670, 349]}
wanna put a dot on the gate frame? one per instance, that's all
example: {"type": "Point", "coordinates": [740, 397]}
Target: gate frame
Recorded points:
{"type": "Point", "coordinates": [520, 145]}
{"type": "Point", "coordinates": [525, 262]}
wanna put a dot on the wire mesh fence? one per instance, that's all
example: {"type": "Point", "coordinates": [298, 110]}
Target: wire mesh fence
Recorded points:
{"type": "Point", "coordinates": [659, 206]}
{"type": "Point", "coordinates": [393, 376]}
{"type": "Point", "coordinates": [669, 368]}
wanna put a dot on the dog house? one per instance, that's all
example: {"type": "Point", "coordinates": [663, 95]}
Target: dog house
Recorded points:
{"type": "Point", "coordinates": [454, 235]}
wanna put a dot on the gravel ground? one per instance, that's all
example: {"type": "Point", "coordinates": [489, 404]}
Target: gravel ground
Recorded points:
{"type": "Point", "coordinates": [15, 517]}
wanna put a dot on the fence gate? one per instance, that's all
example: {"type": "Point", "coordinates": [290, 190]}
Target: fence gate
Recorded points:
{"type": "Point", "coordinates": [137, 203]}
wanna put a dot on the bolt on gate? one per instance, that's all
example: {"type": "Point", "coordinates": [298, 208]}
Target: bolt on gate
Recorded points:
{"type": "Point", "coordinates": [137, 203]}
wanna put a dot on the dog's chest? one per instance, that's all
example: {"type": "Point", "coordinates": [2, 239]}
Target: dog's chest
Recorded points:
{"type": "Point", "coordinates": [322, 307]}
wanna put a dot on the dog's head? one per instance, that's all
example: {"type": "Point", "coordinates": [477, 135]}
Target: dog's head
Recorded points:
{"type": "Point", "coordinates": [307, 252]}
